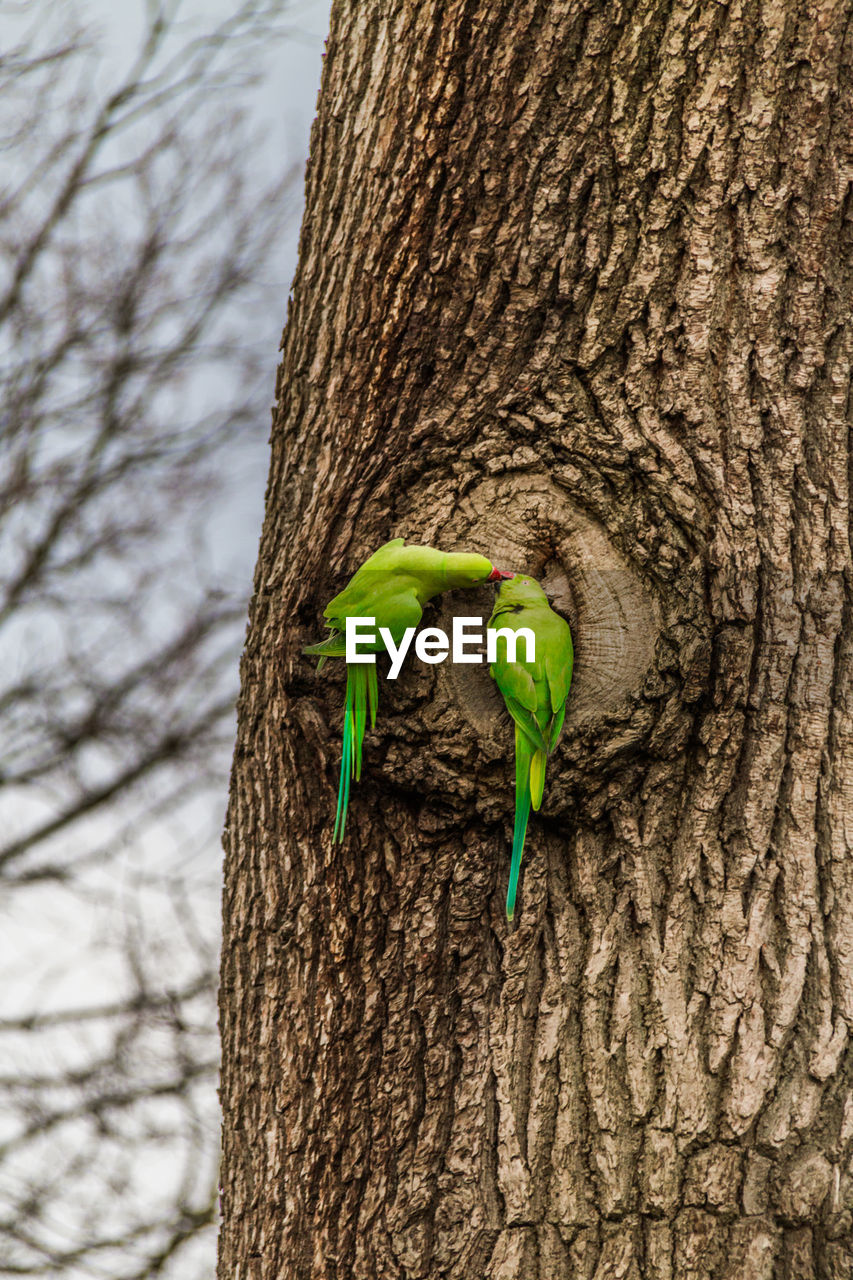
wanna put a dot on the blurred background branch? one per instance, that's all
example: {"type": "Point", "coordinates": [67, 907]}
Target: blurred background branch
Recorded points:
{"type": "Point", "coordinates": [141, 296]}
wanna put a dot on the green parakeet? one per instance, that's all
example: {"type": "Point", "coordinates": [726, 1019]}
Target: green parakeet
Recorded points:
{"type": "Point", "coordinates": [535, 693]}
{"type": "Point", "coordinates": [392, 586]}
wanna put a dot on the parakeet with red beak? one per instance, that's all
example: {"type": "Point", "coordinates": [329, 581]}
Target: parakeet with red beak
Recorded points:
{"type": "Point", "coordinates": [392, 587]}
{"type": "Point", "coordinates": [535, 693]}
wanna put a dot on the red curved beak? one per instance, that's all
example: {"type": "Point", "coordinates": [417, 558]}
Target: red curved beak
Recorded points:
{"type": "Point", "coordinates": [497, 574]}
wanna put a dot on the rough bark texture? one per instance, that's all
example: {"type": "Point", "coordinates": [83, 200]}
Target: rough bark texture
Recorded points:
{"type": "Point", "coordinates": [574, 290]}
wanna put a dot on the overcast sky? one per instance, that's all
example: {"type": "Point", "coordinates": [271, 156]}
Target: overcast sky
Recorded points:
{"type": "Point", "coordinates": [63, 946]}
{"type": "Point", "coordinates": [286, 101]}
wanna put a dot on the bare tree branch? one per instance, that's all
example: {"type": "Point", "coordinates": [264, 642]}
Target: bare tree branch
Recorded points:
{"type": "Point", "coordinates": [136, 243]}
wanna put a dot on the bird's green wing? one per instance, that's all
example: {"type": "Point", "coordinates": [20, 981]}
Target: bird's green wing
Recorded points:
{"type": "Point", "coordinates": [396, 607]}
{"type": "Point", "coordinates": [516, 682]}
{"type": "Point", "coordinates": [527, 723]}
{"type": "Point", "coordinates": [393, 603]}
{"type": "Point", "coordinates": [556, 728]}
{"type": "Point", "coordinates": [518, 686]}
{"type": "Point", "coordinates": [334, 646]}
{"type": "Point", "coordinates": [364, 584]}
{"type": "Point", "coordinates": [559, 661]}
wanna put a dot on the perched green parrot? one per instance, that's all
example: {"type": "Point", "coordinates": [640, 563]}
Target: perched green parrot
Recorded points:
{"type": "Point", "coordinates": [535, 693]}
{"type": "Point", "coordinates": [392, 586]}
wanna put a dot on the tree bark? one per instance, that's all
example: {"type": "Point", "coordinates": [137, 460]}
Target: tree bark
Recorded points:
{"type": "Point", "coordinates": [574, 291]}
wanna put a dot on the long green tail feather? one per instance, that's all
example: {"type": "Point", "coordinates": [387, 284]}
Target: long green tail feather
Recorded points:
{"type": "Point", "coordinates": [372, 693]}
{"type": "Point", "coordinates": [362, 690]}
{"type": "Point", "coordinates": [359, 679]}
{"type": "Point", "coordinates": [537, 777]}
{"type": "Point", "coordinates": [523, 756]}
{"type": "Point", "coordinates": [346, 769]}
{"type": "Point", "coordinates": [334, 646]}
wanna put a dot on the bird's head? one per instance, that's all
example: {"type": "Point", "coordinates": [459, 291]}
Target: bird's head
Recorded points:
{"type": "Point", "coordinates": [520, 590]}
{"type": "Point", "coordinates": [467, 569]}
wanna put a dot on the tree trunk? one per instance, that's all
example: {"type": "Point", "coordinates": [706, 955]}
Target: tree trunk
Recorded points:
{"type": "Point", "coordinates": [574, 291]}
